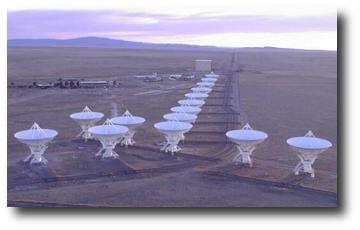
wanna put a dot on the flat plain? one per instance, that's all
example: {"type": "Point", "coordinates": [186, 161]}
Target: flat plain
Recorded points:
{"type": "Point", "coordinates": [282, 92]}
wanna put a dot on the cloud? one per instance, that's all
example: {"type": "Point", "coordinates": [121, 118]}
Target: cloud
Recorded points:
{"type": "Point", "coordinates": [126, 19]}
{"type": "Point", "coordinates": [143, 26]}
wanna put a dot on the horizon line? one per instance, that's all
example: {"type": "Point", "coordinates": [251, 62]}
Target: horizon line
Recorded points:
{"type": "Point", "coordinates": [160, 43]}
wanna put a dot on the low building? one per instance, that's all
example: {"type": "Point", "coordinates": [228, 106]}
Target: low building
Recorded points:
{"type": "Point", "coordinates": [203, 65]}
{"type": "Point", "coordinates": [149, 78]}
{"type": "Point", "coordinates": [93, 84]}
{"type": "Point", "coordinates": [175, 76]}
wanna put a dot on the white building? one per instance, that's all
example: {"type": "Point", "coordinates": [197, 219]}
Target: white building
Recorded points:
{"type": "Point", "coordinates": [203, 65]}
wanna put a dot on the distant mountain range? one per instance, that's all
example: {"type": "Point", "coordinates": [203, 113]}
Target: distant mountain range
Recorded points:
{"type": "Point", "coordinates": [100, 43]}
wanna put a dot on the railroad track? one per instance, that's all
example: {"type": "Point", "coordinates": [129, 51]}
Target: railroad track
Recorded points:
{"type": "Point", "coordinates": [205, 132]}
{"type": "Point", "coordinates": [232, 113]}
{"type": "Point", "coordinates": [93, 177]}
{"type": "Point", "coordinates": [216, 113]}
{"type": "Point", "coordinates": [210, 97]}
{"type": "Point", "coordinates": [266, 183]}
{"type": "Point", "coordinates": [47, 178]}
{"type": "Point", "coordinates": [229, 116]}
{"type": "Point", "coordinates": [178, 154]}
{"type": "Point", "coordinates": [215, 105]}
{"type": "Point", "coordinates": [31, 204]}
{"type": "Point", "coordinates": [217, 122]}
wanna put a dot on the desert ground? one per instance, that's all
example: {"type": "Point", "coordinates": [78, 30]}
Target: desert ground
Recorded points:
{"type": "Point", "coordinates": [282, 92]}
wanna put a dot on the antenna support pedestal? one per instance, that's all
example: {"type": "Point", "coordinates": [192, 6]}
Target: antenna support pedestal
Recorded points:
{"type": "Point", "coordinates": [172, 143]}
{"type": "Point", "coordinates": [107, 150]}
{"type": "Point", "coordinates": [36, 155]}
{"type": "Point", "coordinates": [244, 155]}
{"type": "Point", "coordinates": [128, 138]}
{"type": "Point", "coordinates": [307, 159]}
{"type": "Point", "coordinates": [85, 134]}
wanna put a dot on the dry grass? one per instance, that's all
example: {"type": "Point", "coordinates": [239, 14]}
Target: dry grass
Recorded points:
{"type": "Point", "coordinates": [29, 64]}
{"type": "Point", "coordinates": [283, 93]}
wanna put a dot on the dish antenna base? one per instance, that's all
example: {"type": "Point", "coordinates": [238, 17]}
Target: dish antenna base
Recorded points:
{"type": "Point", "coordinates": [85, 134]}
{"type": "Point", "coordinates": [307, 159]}
{"type": "Point", "coordinates": [128, 138]}
{"type": "Point", "coordinates": [86, 119]}
{"type": "Point", "coordinates": [244, 155]}
{"type": "Point", "coordinates": [107, 150]}
{"type": "Point", "coordinates": [36, 155]}
{"type": "Point", "coordinates": [307, 148]}
{"type": "Point", "coordinates": [172, 143]}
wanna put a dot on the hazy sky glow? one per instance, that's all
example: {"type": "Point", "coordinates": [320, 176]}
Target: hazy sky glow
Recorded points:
{"type": "Point", "coordinates": [291, 29]}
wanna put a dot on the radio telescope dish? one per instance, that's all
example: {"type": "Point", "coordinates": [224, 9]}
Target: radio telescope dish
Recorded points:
{"type": "Point", "coordinates": [246, 140]}
{"type": "Point", "coordinates": [201, 89]}
{"type": "Point", "coordinates": [186, 109]}
{"type": "Point", "coordinates": [37, 139]}
{"type": "Point", "coordinates": [192, 102]}
{"type": "Point", "coordinates": [173, 131]}
{"type": "Point", "coordinates": [205, 84]}
{"type": "Point", "coordinates": [109, 135]}
{"type": "Point", "coordinates": [183, 117]}
{"type": "Point", "coordinates": [208, 79]}
{"type": "Point", "coordinates": [308, 149]}
{"type": "Point", "coordinates": [86, 119]}
{"type": "Point", "coordinates": [200, 96]}
{"type": "Point", "coordinates": [130, 121]}
{"type": "Point", "coordinates": [212, 75]}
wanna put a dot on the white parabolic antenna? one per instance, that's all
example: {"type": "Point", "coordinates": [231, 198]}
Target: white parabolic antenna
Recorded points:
{"type": "Point", "coordinates": [109, 135]}
{"type": "Point", "coordinates": [246, 140]}
{"type": "Point", "coordinates": [37, 140]}
{"type": "Point", "coordinates": [192, 102]}
{"type": "Point", "coordinates": [208, 79]}
{"type": "Point", "coordinates": [186, 109]}
{"type": "Point", "coordinates": [86, 119]}
{"type": "Point", "coordinates": [183, 117]}
{"type": "Point", "coordinates": [212, 75]}
{"type": "Point", "coordinates": [201, 89]}
{"type": "Point", "coordinates": [197, 95]}
{"type": "Point", "coordinates": [173, 131]}
{"type": "Point", "coordinates": [130, 121]}
{"type": "Point", "coordinates": [205, 84]}
{"type": "Point", "coordinates": [308, 149]}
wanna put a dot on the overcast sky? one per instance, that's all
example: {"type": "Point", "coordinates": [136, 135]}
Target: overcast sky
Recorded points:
{"type": "Point", "coordinates": [290, 28]}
